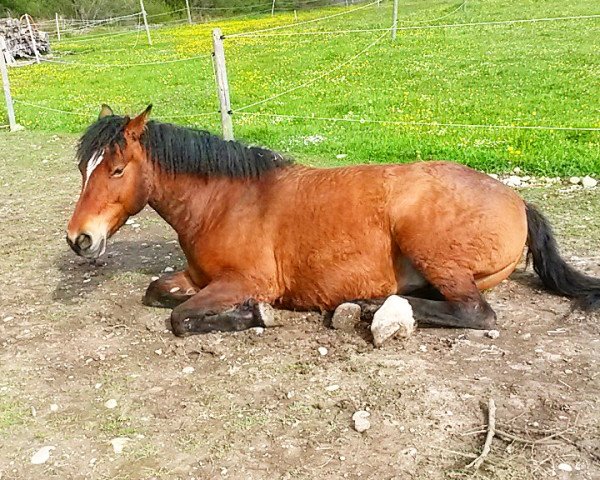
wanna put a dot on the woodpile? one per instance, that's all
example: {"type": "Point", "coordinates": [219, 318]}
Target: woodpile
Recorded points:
{"type": "Point", "coordinates": [18, 39]}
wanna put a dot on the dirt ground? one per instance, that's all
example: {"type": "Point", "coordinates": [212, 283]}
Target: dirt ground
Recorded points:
{"type": "Point", "coordinates": [268, 405]}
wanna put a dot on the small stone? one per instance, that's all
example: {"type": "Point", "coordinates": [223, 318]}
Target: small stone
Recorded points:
{"type": "Point", "coordinates": [54, 407]}
{"type": "Point", "coordinates": [395, 317]}
{"type": "Point", "coordinates": [322, 351]}
{"type": "Point", "coordinates": [158, 351]}
{"type": "Point", "coordinates": [332, 388]}
{"type": "Point", "coordinates": [118, 444]}
{"type": "Point", "coordinates": [42, 455]}
{"type": "Point", "coordinates": [361, 421]}
{"type": "Point", "coordinates": [493, 175]}
{"type": "Point", "coordinates": [340, 156]}
{"type": "Point", "coordinates": [154, 278]}
{"type": "Point", "coordinates": [517, 170]}
{"type": "Point", "coordinates": [8, 319]}
{"type": "Point", "coordinates": [110, 404]}
{"type": "Point", "coordinates": [526, 336]}
{"type": "Point", "coordinates": [493, 334]}
{"type": "Point", "coordinates": [345, 317]}
{"type": "Point", "coordinates": [512, 181]}
{"type": "Point", "coordinates": [565, 467]}
{"type": "Point", "coordinates": [188, 370]}
{"type": "Point", "coordinates": [130, 221]}
{"type": "Point", "coordinates": [423, 348]}
{"type": "Point", "coordinates": [589, 182]}
{"type": "Point", "coordinates": [258, 330]}
{"type": "Point", "coordinates": [575, 180]}
{"type": "Point", "coordinates": [169, 269]}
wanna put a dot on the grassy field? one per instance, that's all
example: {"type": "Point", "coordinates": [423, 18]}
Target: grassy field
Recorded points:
{"type": "Point", "coordinates": [542, 73]}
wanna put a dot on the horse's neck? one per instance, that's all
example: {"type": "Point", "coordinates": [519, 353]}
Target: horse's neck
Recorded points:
{"type": "Point", "coordinates": [190, 203]}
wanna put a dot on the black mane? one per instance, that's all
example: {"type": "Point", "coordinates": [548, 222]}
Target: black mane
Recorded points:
{"type": "Point", "coordinates": [183, 150]}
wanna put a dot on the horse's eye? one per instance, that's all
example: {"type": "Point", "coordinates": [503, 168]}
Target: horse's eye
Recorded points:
{"type": "Point", "coordinates": [117, 172]}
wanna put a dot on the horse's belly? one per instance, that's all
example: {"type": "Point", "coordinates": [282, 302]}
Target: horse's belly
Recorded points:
{"type": "Point", "coordinates": [325, 282]}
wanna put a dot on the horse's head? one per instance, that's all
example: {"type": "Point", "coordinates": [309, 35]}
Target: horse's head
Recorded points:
{"type": "Point", "coordinates": [116, 180]}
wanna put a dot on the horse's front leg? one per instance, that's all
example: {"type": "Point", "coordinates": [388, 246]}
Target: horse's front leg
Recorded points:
{"type": "Point", "coordinates": [221, 306]}
{"type": "Point", "coordinates": [170, 290]}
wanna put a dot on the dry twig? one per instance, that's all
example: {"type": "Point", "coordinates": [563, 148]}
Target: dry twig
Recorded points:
{"type": "Point", "coordinates": [491, 431]}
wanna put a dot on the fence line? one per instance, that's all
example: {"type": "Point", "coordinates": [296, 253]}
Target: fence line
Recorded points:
{"type": "Point", "coordinates": [88, 114]}
{"type": "Point", "coordinates": [125, 65]}
{"type": "Point", "coordinates": [297, 24]}
{"type": "Point", "coordinates": [421, 124]}
{"type": "Point", "coordinates": [415, 27]}
{"type": "Point", "coordinates": [51, 109]}
{"type": "Point", "coordinates": [315, 79]}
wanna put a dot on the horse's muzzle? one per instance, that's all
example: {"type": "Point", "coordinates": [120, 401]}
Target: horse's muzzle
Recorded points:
{"type": "Point", "coordinates": [86, 246]}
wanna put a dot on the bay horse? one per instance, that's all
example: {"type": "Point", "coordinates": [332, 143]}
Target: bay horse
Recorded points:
{"type": "Point", "coordinates": [259, 231]}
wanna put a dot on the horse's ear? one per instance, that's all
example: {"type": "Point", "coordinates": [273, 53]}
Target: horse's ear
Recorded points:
{"type": "Point", "coordinates": [135, 127]}
{"type": "Point", "coordinates": [105, 111]}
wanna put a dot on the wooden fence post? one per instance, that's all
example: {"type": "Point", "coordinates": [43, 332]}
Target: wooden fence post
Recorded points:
{"type": "Point", "coordinates": [57, 26]}
{"type": "Point", "coordinates": [222, 84]}
{"type": "Point", "coordinates": [273, 8]}
{"type": "Point", "coordinates": [5, 82]}
{"type": "Point", "coordinates": [145, 22]}
{"type": "Point", "coordinates": [395, 20]}
{"type": "Point", "coordinates": [33, 44]}
{"type": "Point", "coordinates": [189, 12]}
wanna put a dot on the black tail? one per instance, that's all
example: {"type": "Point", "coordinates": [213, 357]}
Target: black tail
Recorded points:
{"type": "Point", "coordinates": [556, 275]}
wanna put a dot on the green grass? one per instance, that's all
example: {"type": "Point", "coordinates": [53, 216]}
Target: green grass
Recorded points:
{"type": "Point", "coordinates": [527, 74]}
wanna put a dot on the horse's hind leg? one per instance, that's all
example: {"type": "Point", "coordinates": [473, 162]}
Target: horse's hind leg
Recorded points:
{"type": "Point", "coordinates": [170, 290]}
{"type": "Point", "coordinates": [463, 307]}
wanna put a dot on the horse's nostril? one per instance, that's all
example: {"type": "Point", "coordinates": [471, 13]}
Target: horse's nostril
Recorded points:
{"type": "Point", "coordinates": [84, 241]}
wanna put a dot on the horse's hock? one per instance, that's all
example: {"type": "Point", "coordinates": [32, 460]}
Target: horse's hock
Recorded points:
{"type": "Point", "coordinates": [18, 38]}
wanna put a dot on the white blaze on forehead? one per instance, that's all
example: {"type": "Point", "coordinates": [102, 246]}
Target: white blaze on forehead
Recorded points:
{"type": "Point", "coordinates": [93, 162]}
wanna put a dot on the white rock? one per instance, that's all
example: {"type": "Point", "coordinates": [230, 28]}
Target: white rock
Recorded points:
{"type": "Point", "coordinates": [493, 334]}
{"type": "Point", "coordinates": [118, 444]}
{"type": "Point", "coordinates": [110, 404]}
{"type": "Point", "coordinates": [512, 181]}
{"type": "Point", "coordinates": [493, 175]}
{"type": "Point", "coordinates": [188, 370]}
{"type": "Point", "coordinates": [322, 351]}
{"type": "Point", "coordinates": [395, 317]}
{"type": "Point", "coordinates": [332, 388]}
{"type": "Point", "coordinates": [345, 317]}
{"type": "Point", "coordinates": [258, 330]}
{"type": "Point", "coordinates": [423, 348]}
{"type": "Point", "coordinates": [589, 182]}
{"type": "Point", "coordinates": [129, 221]}
{"type": "Point", "coordinates": [8, 319]}
{"type": "Point", "coordinates": [339, 156]}
{"type": "Point", "coordinates": [565, 467]}
{"type": "Point", "coordinates": [517, 170]}
{"type": "Point", "coordinates": [158, 351]}
{"type": "Point", "coordinates": [54, 407]}
{"type": "Point", "coordinates": [42, 455]}
{"type": "Point", "coordinates": [361, 421]}
{"type": "Point", "coordinates": [526, 336]}
{"type": "Point", "coordinates": [169, 269]}
{"type": "Point", "coordinates": [574, 180]}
